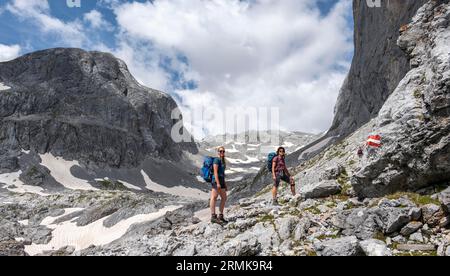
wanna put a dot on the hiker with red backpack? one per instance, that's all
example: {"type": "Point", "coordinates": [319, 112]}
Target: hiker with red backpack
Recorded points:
{"type": "Point", "coordinates": [213, 172]}
{"type": "Point", "coordinates": [279, 173]}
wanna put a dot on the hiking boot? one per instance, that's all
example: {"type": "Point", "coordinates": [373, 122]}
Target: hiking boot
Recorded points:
{"type": "Point", "coordinates": [222, 219]}
{"type": "Point", "coordinates": [214, 219]}
{"type": "Point", "coordinates": [275, 202]}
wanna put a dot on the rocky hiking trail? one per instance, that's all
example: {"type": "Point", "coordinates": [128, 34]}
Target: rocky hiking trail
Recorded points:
{"type": "Point", "coordinates": [102, 200]}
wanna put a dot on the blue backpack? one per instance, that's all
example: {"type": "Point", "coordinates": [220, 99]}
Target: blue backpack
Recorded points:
{"type": "Point", "coordinates": [270, 158]}
{"type": "Point", "coordinates": [207, 169]}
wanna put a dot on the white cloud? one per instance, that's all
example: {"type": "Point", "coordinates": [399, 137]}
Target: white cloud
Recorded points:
{"type": "Point", "coordinates": [239, 53]}
{"type": "Point", "coordinates": [9, 52]}
{"type": "Point", "coordinates": [258, 53]}
{"type": "Point", "coordinates": [96, 20]}
{"type": "Point", "coordinates": [38, 11]}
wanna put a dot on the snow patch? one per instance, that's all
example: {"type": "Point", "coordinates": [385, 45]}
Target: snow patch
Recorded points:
{"type": "Point", "coordinates": [233, 150]}
{"type": "Point", "coordinates": [4, 87]}
{"type": "Point", "coordinates": [240, 161]}
{"type": "Point", "coordinates": [177, 191]}
{"type": "Point", "coordinates": [81, 237]}
{"type": "Point", "coordinates": [24, 222]}
{"type": "Point", "coordinates": [287, 145]}
{"type": "Point", "coordinates": [51, 220]}
{"type": "Point", "coordinates": [236, 179]}
{"type": "Point", "coordinates": [60, 170]}
{"type": "Point", "coordinates": [253, 145]}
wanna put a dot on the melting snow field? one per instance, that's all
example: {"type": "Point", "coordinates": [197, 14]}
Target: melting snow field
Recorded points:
{"type": "Point", "coordinates": [239, 161]}
{"type": "Point", "coordinates": [12, 180]}
{"type": "Point", "coordinates": [288, 145]}
{"type": "Point", "coordinates": [4, 87]}
{"type": "Point", "coordinates": [177, 191]}
{"type": "Point", "coordinates": [233, 150]}
{"type": "Point", "coordinates": [81, 237]}
{"type": "Point", "coordinates": [60, 170]}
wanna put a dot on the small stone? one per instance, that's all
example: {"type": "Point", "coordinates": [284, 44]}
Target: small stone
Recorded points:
{"type": "Point", "coordinates": [444, 198]}
{"type": "Point", "coordinates": [417, 237]}
{"type": "Point", "coordinates": [286, 226]}
{"type": "Point", "coordinates": [441, 250]}
{"type": "Point", "coordinates": [302, 228]}
{"type": "Point", "coordinates": [444, 222]}
{"type": "Point", "coordinates": [246, 202]}
{"type": "Point", "coordinates": [388, 241]}
{"type": "Point", "coordinates": [415, 214]}
{"type": "Point", "coordinates": [356, 202]}
{"type": "Point", "coordinates": [323, 208]}
{"type": "Point", "coordinates": [384, 203]}
{"type": "Point", "coordinates": [411, 228]}
{"type": "Point", "coordinates": [399, 239]}
{"type": "Point", "coordinates": [428, 211]}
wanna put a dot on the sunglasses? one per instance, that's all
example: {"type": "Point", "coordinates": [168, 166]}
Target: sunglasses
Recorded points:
{"type": "Point", "coordinates": [221, 151]}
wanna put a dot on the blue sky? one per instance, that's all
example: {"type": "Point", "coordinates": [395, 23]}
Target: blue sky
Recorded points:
{"type": "Point", "coordinates": [218, 50]}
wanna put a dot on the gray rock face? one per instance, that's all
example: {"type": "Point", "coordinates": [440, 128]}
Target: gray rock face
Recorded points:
{"type": "Point", "coordinates": [348, 246]}
{"type": "Point", "coordinates": [413, 122]}
{"type": "Point", "coordinates": [8, 163]}
{"type": "Point", "coordinates": [83, 106]}
{"type": "Point", "coordinates": [378, 64]}
{"type": "Point", "coordinates": [333, 173]}
{"type": "Point", "coordinates": [322, 189]}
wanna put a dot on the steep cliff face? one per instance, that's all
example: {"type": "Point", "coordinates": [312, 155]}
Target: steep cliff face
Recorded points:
{"type": "Point", "coordinates": [84, 106]}
{"type": "Point", "coordinates": [398, 88]}
{"type": "Point", "coordinates": [378, 64]}
{"type": "Point", "coordinates": [414, 121]}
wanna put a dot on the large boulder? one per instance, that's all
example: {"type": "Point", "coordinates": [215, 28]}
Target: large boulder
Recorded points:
{"type": "Point", "coordinates": [368, 223]}
{"type": "Point", "coordinates": [321, 189]}
{"type": "Point", "coordinates": [347, 246]}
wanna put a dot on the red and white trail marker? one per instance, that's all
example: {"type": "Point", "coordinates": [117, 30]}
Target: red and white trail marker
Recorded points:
{"type": "Point", "coordinates": [374, 141]}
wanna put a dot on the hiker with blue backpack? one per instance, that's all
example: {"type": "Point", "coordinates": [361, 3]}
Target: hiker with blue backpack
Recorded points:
{"type": "Point", "coordinates": [213, 172]}
{"type": "Point", "coordinates": [277, 165]}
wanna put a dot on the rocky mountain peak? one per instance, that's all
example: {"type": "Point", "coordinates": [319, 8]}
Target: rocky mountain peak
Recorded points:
{"type": "Point", "coordinates": [85, 106]}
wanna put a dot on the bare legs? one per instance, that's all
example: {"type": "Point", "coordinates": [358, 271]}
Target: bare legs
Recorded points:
{"type": "Point", "coordinates": [223, 200]}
